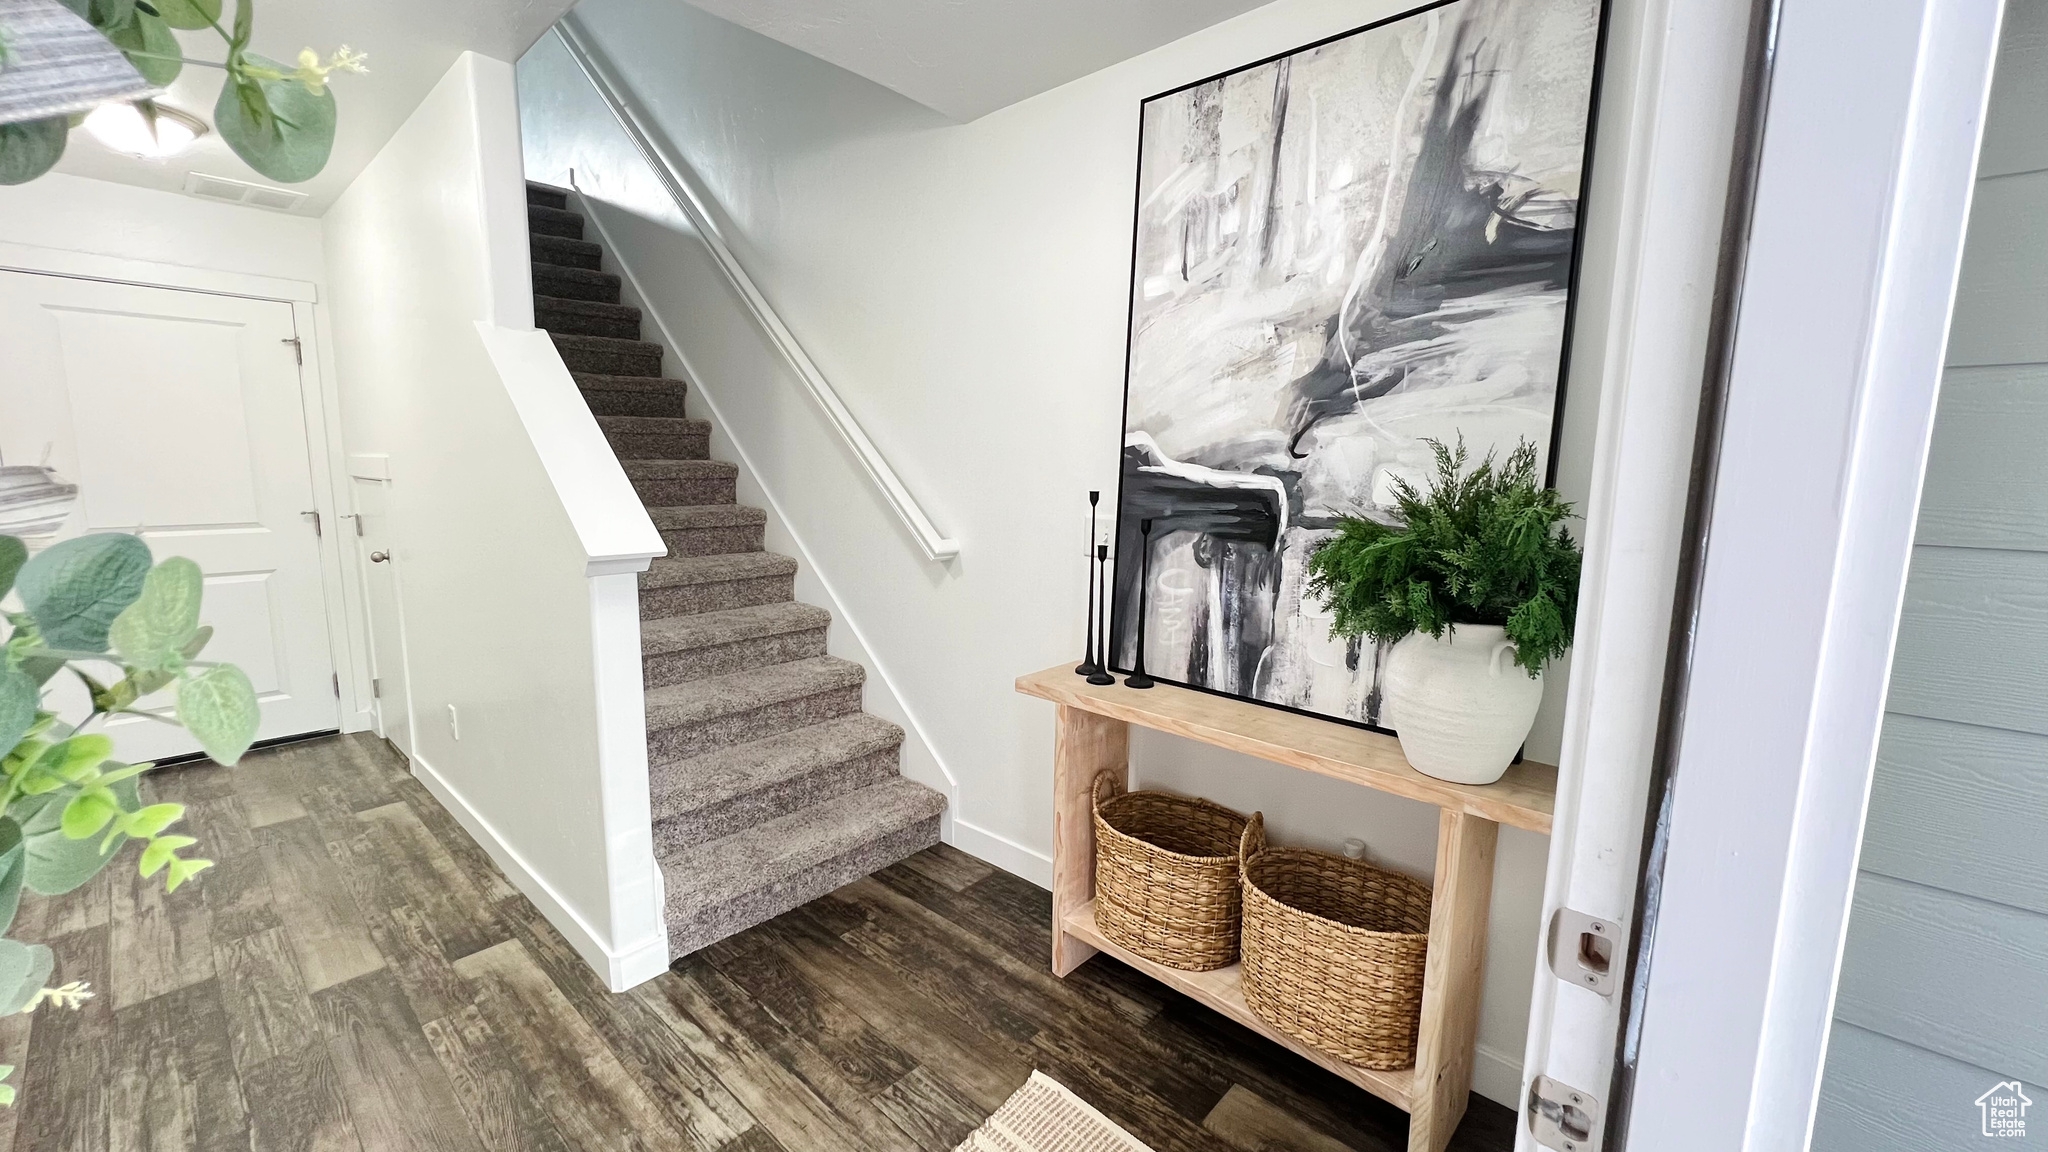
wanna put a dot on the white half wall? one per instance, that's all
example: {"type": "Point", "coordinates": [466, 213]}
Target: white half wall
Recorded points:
{"type": "Point", "coordinates": [515, 531]}
{"type": "Point", "coordinates": [964, 288]}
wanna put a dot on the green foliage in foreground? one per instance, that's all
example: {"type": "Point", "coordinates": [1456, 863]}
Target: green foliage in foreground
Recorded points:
{"type": "Point", "coordinates": [280, 120]}
{"type": "Point", "coordinates": [1484, 546]}
{"type": "Point", "coordinates": [126, 629]}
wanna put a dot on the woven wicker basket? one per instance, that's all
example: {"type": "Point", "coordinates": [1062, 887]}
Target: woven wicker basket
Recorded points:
{"type": "Point", "coordinates": [1166, 876]}
{"type": "Point", "coordinates": [1333, 950]}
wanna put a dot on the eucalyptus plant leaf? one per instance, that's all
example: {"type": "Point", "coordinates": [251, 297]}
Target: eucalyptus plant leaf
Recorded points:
{"type": "Point", "coordinates": [83, 8]}
{"type": "Point", "coordinates": [276, 126]}
{"type": "Point", "coordinates": [55, 863]}
{"type": "Point", "coordinates": [41, 668]}
{"type": "Point", "coordinates": [24, 969]}
{"type": "Point", "coordinates": [218, 707]}
{"type": "Point", "coordinates": [30, 148]}
{"type": "Point", "coordinates": [149, 45]}
{"type": "Point", "coordinates": [13, 858]}
{"type": "Point", "coordinates": [149, 632]}
{"type": "Point", "coordinates": [13, 554]}
{"type": "Point", "coordinates": [109, 15]}
{"type": "Point", "coordinates": [77, 587]}
{"type": "Point", "coordinates": [18, 699]}
{"type": "Point", "coordinates": [188, 14]}
{"type": "Point", "coordinates": [197, 643]}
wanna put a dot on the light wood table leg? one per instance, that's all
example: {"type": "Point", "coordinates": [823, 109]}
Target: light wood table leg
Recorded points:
{"type": "Point", "coordinates": [1084, 744]}
{"type": "Point", "coordinates": [1451, 986]}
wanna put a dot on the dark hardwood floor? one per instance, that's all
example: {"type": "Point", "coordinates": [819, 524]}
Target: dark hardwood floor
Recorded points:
{"type": "Point", "coordinates": [355, 974]}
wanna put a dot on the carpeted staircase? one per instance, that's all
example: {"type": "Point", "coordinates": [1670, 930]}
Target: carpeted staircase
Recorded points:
{"type": "Point", "coordinates": [771, 786]}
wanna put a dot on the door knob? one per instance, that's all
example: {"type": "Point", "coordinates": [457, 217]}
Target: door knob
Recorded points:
{"type": "Point", "coordinates": [379, 557]}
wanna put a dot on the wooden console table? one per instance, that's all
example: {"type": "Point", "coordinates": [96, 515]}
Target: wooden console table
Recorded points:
{"type": "Point", "coordinates": [1092, 733]}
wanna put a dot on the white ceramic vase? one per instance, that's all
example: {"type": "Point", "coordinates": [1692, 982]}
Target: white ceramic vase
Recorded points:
{"type": "Point", "coordinates": [1461, 705]}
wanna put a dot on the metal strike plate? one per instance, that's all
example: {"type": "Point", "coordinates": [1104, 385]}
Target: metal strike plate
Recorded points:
{"type": "Point", "coordinates": [1585, 950]}
{"type": "Point", "coordinates": [1564, 1118]}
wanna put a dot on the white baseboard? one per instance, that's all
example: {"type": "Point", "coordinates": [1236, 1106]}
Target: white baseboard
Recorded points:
{"type": "Point", "coordinates": [620, 968]}
{"type": "Point", "coordinates": [1002, 852]}
{"type": "Point", "coordinates": [1497, 1076]}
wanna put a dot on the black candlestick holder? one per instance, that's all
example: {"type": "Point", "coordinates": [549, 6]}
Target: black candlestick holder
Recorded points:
{"type": "Point", "coordinates": [1137, 678]}
{"type": "Point", "coordinates": [1091, 665]}
{"type": "Point", "coordinates": [1101, 673]}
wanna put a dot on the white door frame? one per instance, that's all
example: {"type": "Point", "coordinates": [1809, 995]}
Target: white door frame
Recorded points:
{"type": "Point", "coordinates": [1871, 128]}
{"type": "Point", "coordinates": [322, 412]}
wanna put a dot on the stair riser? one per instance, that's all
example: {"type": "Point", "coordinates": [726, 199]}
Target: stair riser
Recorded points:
{"type": "Point", "coordinates": [721, 541]}
{"type": "Point", "coordinates": [578, 324]}
{"type": "Point", "coordinates": [575, 284]}
{"type": "Point", "coordinates": [612, 362]}
{"type": "Point", "coordinates": [559, 222]}
{"type": "Point", "coordinates": [662, 669]}
{"type": "Point", "coordinates": [608, 402]}
{"type": "Point", "coordinates": [546, 198]}
{"type": "Point", "coordinates": [690, 599]}
{"type": "Point", "coordinates": [670, 492]}
{"type": "Point", "coordinates": [640, 446]}
{"type": "Point", "coordinates": [739, 727]}
{"type": "Point", "coordinates": [682, 833]}
{"type": "Point", "coordinates": [565, 253]}
{"type": "Point", "coordinates": [721, 920]}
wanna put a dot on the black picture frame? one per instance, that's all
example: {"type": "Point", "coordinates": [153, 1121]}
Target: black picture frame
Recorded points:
{"type": "Point", "coordinates": [1118, 610]}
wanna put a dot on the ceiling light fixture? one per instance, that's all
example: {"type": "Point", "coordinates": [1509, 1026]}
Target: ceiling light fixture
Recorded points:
{"type": "Point", "coordinates": [124, 128]}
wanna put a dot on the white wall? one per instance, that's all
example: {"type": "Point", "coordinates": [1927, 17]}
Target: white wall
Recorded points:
{"type": "Point", "coordinates": [75, 214]}
{"type": "Point", "coordinates": [964, 288]}
{"type": "Point", "coordinates": [515, 533]}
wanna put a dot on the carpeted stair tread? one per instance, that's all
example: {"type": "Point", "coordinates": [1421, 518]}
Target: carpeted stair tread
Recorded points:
{"type": "Point", "coordinates": [705, 629]}
{"type": "Point", "coordinates": [608, 354]}
{"type": "Point", "coordinates": [654, 426]}
{"type": "Point", "coordinates": [564, 252]}
{"type": "Point", "coordinates": [574, 283]}
{"type": "Point", "coordinates": [573, 317]}
{"type": "Point", "coordinates": [604, 382]}
{"type": "Point", "coordinates": [543, 220]}
{"type": "Point", "coordinates": [702, 701]}
{"type": "Point", "coordinates": [671, 572]}
{"type": "Point", "coordinates": [737, 881]}
{"type": "Point", "coordinates": [546, 195]}
{"type": "Point", "coordinates": [677, 469]}
{"type": "Point", "coordinates": [684, 787]}
{"type": "Point", "coordinates": [708, 516]}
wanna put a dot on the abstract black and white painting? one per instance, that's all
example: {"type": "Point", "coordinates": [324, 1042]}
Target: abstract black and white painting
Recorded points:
{"type": "Point", "coordinates": [1341, 253]}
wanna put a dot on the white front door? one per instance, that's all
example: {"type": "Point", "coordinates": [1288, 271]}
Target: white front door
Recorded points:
{"type": "Point", "coordinates": [178, 414]}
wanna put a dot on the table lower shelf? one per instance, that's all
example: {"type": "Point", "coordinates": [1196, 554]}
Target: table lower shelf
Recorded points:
{"type": "Point", "coordinates": [1223, 990]}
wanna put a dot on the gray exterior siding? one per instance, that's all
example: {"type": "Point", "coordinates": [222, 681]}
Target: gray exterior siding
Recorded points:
{"type": "Point", "coordinates": [1944, 988]}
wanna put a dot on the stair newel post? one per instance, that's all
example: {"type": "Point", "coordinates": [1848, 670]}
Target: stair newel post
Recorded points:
{"type": "Point", "coordinates": [1089, 665]}
{"type": "Point", "coordinates": [1138, 678]}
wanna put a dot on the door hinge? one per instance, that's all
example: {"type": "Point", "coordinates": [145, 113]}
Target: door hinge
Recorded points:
{"type": "Point", "coordinates": [315, 514]}
{"type": "Point", "coordinates": [1584, 950]}
{"type": "Point", "coordinates": [337, 685]}
{"type": "Point", "coordinates": [1562, 1117]}
{"type": "Point", "coordinates": [298, 350]}
{"type": "Point", "coordinates": [376, 688]}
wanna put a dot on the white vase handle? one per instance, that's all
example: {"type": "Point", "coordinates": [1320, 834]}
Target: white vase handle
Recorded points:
{"type": "Point", "coordinates": [1493, 662]}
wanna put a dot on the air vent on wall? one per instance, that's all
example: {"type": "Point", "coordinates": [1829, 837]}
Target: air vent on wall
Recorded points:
{"type": "Point", "coordinates": [242, 192]}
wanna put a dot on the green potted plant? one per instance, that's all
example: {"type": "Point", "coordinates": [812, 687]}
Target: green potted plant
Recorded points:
{"type": "Point", "coordinates": [1475, 590]}
{"type": "Point", "coordinates": [96, 608]}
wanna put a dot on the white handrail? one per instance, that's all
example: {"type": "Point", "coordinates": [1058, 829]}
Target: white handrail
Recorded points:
{"type": "Point", "coordinates": [686, 190]}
